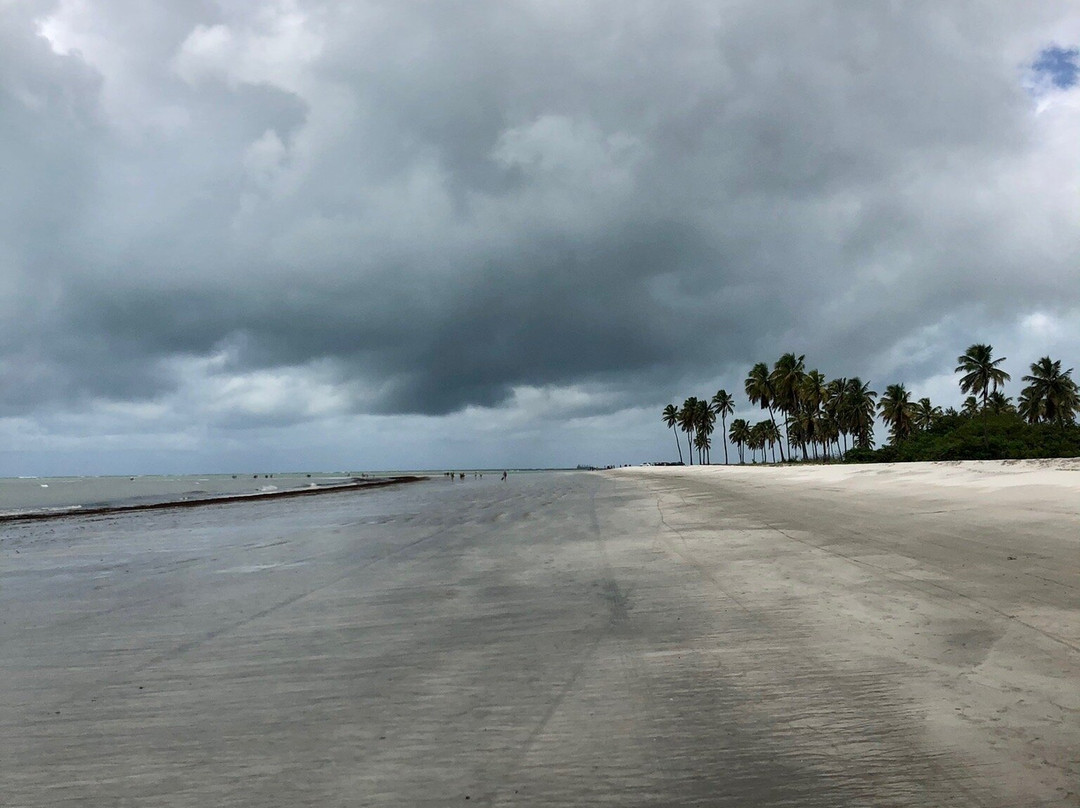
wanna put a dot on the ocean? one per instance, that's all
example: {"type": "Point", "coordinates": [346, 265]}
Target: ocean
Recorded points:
{"type": "Point", "coordinates": [30, 496]}
{"type": "Point", "coordinates": [20, 496]}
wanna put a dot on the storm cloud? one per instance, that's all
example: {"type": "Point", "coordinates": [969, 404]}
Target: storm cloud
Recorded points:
{"type": "Point", "coordinates": [226, 219]}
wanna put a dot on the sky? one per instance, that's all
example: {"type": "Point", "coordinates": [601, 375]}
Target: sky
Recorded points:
{"type": "Point", "coordinates": [366, 235]}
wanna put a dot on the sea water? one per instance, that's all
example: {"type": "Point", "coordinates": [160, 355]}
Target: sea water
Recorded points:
{"type": "Point", "coordinates": [29, 495]}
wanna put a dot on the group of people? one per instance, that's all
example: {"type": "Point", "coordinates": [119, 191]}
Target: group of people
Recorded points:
{"type": "Point", "coordinates": [460, 475]}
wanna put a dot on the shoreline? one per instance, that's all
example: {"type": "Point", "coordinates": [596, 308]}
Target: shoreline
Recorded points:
{"type": "Point", "coordinates": [995, 473]}
{"type": "Point", "coordinates": [76, 511]}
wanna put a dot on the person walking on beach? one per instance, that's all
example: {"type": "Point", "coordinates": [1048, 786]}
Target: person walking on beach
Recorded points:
{"type": "Point", "coordinates": [504, 476]}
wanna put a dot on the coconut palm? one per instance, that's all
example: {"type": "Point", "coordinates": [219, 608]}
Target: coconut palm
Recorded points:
{"type": "Point", "coordinates": [723, 404]}
{"type": "Point", "coordinates": [859, 409]}
{"type": "Point", "coordinates": [925, 414]}
{"type": "Point", "coordinates": [999, 404]}
{"type": "Point", "coordinates": [702, 442]}
{"type": "Point", "coordinates": [671, 418]}
{"type": "Point", "coordinates": [1029, 407]}
{"type": "Point", "coordinates": [759, 390]}
{"type": "Point", "coordinates": [970, 407]}
{"type": "Point", "coordinates": [1051, 394]}
{"type": "Point", "coordinates": [834, 409]}
{"type": "Point", "coordinates": [897, 411]}
{"type": "Point", "coordinates": [981, 373]}
{"type": "Point", "coordinates": [797, 432]}
{"type": "Point", "coordinates": [705, 423]}
{"type": "Point", "coordinates": [813, 390]}
{"type": "Point", "coordinates": [812, 394]}
{"type": "Point", "coordinates": [828, 432]}
{"type": "Point", "coordinates": [786, 379]}
{"type": "Point", "coordinates": [758, 439]}
{"type": "Point", "coordinates": [801, 430]}
{"type": "Point", "coordinates": [772, 437]}
{"type": "Point", "coordinates": [739, 434]}
{"type": "Point", "coordinates": [688, 423]}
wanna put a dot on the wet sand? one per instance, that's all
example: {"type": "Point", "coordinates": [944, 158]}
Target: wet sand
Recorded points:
{"type": "Point", "coordinates": [817, 637]}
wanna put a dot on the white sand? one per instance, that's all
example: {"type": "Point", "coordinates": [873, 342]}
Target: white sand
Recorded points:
{"type": "Point", "coordinates": [985, 474]}
{"type": "Point", "coordinates": [960, 579]}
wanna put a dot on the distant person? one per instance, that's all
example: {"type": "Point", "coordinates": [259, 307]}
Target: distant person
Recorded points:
{"type": "Point", "coordinates": [504, 476]}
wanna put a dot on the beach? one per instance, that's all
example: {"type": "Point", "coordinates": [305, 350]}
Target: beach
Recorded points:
{"type": "Point", "coordinates": [903, 635]}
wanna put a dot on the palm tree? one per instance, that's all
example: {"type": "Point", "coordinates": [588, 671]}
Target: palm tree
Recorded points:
{"type": "Point", "coordinates": [739, 434]}
{"type": "Point", "coordinates": [981, 372]}
{"type": "Point", "coordinates": [859, 409]}
{"type": "Point", "coordinates": [926, 414]}
{"type": "Point", "coordinates": [723, 404]}
{"type": "Point", "coordinates": [773, 437]}
{"type": "Point", "coordinates": [1051, 393]}
{"type": "Point", "coordinates": [828, 432]}
{"type": "Point", "coordinates": [758, 438]}
{"type": "Point", "coordinates": [702, 442]}
{"type": "Point", "coordinates": [812, 394]}
{"type": "Point", "coordinates": [834, 408]}
{"type": "Point", "coordinates": [704, 421]}
{"type": "Point", "coordinates": [671, 418]}
{"type": "Point", "coordinates": [1030, 407]}
{"type": "Point", "coordinates": [999, 404]}
{"type": "Point", "coordinates": [797, 432]}
{"type": "Point", "coordinates": [897, 411]}
{"type": "Point", "coordinates": [688, 423]}
{"type": "Point", "coordinates": [786, 379]}
{"type": "Point", "coordinates": [801, 430]}
{"type": "Point", "coordinates": [759, 390]}
{"type": "Point", "coordinates": [970, 407]}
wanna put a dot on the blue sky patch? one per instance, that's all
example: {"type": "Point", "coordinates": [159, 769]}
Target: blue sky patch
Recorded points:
{"type": "Point", "coordinates": [1060, 65]}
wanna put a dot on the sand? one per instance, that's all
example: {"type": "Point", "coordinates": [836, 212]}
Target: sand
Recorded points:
{"type": "Point", "coordinates": [884, 635]}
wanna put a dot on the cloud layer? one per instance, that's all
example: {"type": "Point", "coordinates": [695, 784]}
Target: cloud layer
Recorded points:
{"type": "Point", "coordinates": [220, 218]}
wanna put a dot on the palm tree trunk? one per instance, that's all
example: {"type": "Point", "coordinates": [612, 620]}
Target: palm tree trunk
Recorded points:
{"type": "Point", "coordinates": [771, 418]}
{"type": "Point", "coordinates": [678, 443]}
{"type": "Point", "coordinates": [986, 437]}
{"type": "Point", "coordinates": [723, 436]}
{"type": "Point", "coordinates": [787, 434]}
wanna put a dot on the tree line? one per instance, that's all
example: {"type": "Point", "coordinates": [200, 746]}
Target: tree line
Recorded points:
{"type": "Point", "coordinates": [816, 418]}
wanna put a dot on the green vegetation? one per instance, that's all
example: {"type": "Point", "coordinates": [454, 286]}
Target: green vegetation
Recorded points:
{"type": "Point", "coordinates": [960, 437]}
{"type": "Point", "coordinates": [834, 419]}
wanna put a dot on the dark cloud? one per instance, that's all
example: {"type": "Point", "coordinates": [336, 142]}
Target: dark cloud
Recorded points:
{"type": "Point", "coordinates": [431, 207]}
